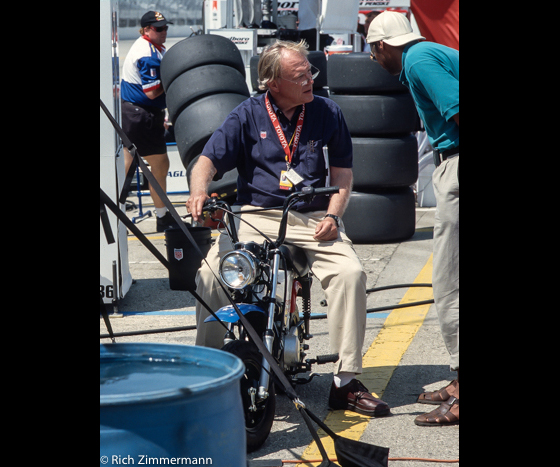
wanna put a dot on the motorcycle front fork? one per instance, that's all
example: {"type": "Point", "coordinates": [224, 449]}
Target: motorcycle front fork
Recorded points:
{"type": "Point", "coordinates": [268, 337]}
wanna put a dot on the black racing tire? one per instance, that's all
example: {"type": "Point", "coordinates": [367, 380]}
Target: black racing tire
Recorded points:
{"type": "Point", "coordinates": [357, 74]}
{"type": "Point", "coordinates": [379, 115]}
{"type": "Point", "coordinates": [254, 70]}
{"type": "Point", "coordinates": [384, 162]}
{"type": "Point", "coordinates": [380, 217]}
{"type": "Point", "coordinates": [196, 123]}
{"type": "Point", "coordinates": [318, 60]}
{"type": "Point", "coordinates": [323, 92]}
{"type": "Point", "coordinates": [257, 423]}
{"type": "Point", "coordinates": [200, 82]}
{"type": "Point", "coordinates": [196, 51]}
{"type": "Point", "coordinates": [225, 187]}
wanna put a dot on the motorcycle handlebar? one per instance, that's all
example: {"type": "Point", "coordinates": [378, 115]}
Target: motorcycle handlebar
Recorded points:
{"type": "Point", "coordinates": [210, 203]}
{"type": "Point", "coordinates": [308, 192]}
{"type": "Point", "coordinates": [213, 203]}
{"type": "Point", "coordinates": [326, 190]}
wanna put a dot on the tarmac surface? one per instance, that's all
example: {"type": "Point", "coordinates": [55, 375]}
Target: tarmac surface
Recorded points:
{"type": "Point", "coordinates": [422, 363]}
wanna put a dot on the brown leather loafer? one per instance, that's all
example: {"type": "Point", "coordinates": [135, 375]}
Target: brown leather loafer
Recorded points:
{"type": "Point", "coordinates": [356, 397]}
{"type": "Point", "coordinates": [446, 414]}
{"type": "Point", "coordinates": [442, 395]}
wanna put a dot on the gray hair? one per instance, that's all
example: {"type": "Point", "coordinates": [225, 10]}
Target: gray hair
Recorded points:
{"type": "Point", "coordinates": [269, 64]}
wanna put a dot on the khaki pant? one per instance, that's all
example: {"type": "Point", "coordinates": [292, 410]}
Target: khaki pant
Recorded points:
{"type": "Point", "coordinates": [445, 275]}
{"type": "Point", "coordinates": [334, 263]}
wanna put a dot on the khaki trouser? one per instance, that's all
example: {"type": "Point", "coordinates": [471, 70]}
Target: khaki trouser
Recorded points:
{"type": "Point", "coordinates": [334, 263]}
{"type": "Point", "coordinates": [445, 275]}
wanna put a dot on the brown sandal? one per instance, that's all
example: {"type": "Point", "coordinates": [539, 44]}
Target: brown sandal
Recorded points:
{"type": "Point", "coordinates": [446, 414]}
{"type": "Point", "coordinates": [437, 397]}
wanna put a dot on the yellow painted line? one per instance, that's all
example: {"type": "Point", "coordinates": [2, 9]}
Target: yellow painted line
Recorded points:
{"type": "Point", "coordinates": [159, 237]}
{"type": "Point", "coordinates": [379, 363]}
{"type": "Point", "coordinates": [214, 233]}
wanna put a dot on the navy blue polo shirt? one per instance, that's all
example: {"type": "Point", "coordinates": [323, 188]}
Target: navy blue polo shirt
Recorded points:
{"type": "Point", "coordinates": [247, 140]}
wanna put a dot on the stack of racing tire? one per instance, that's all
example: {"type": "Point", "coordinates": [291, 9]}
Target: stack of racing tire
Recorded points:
{"type": "Point", "coordinates": [381, 117]}
{"type": "Point", "coordinates": [204, 80]}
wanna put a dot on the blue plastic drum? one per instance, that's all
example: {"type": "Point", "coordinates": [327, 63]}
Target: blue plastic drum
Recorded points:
{"type": "Point", "coordinates": [170, 404]}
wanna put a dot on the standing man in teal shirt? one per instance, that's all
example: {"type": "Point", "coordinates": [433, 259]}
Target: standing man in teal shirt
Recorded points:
{"type": "Point", "coordinates": [431, 73]}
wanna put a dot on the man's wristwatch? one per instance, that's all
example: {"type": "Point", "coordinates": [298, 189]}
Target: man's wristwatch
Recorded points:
{"type": "Point", "coordinates": [336, 219]}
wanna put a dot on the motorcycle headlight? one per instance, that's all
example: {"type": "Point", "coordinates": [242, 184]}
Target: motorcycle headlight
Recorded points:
{"type": "Point", "coordinates": [238, 269]}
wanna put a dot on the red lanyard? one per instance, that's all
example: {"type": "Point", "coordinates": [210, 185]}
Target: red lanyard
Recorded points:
{"type": "Point", "coordinates": [280, 133]}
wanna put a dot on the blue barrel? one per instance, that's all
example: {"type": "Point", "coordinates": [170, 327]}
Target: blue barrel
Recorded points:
{"type": "Point", "coordinates": [170, 404]}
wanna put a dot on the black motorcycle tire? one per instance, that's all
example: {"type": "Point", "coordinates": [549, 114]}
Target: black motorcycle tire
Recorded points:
{"type": "Point", "coordinates": [257, 424]}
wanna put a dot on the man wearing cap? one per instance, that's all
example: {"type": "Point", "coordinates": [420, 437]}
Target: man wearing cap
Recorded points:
{"type": "Point", "coordinates": [431, 73]}
{"type": "Point", "coordinates": [143, 105]}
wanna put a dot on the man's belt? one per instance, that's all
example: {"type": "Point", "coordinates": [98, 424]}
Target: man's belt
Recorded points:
{"type": "Point", "coordinates": [439, 157]}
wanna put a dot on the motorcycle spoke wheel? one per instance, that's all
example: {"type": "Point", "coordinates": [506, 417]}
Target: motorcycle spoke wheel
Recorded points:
{"type": "Point", "coordinates": [257, 423]}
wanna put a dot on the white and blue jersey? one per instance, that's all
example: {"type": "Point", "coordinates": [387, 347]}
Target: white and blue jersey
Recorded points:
{"type": "Point", "coordinates": [141, 73]}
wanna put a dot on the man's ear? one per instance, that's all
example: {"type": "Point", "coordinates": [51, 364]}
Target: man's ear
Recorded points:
{"type": "Point", "coordinates": [273, 86]}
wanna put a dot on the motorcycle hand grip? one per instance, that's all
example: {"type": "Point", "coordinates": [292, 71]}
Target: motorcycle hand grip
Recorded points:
{"type": "Point", "coordinates": [326, 190]}
{"type": "Point", "coordinates": [210, 203]}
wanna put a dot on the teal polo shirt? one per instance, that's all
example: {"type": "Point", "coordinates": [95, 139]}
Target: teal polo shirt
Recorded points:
{"type": "Point", "coordinates": [431, 73]}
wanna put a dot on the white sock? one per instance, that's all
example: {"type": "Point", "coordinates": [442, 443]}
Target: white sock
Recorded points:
{"type": "Point", "coordinates": [160, 212]}
{"type": "Point", "coordinates": [343, 378]}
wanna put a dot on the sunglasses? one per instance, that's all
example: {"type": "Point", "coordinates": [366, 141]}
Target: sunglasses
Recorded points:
{"type": "Point", "coordinates": [372, 53]}
{"type": "Point", "coordinates": [160, 29]}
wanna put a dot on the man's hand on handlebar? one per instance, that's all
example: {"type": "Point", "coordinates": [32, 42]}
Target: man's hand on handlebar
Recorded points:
{"type": "Point", "coordinates": [326, 230]}
{"type": "Point", "coordinates": [201, 176]}
{"type": "Point", "coordinates": [195, 204]}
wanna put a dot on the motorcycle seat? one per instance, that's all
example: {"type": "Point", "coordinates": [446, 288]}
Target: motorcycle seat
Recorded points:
{"type": "Point", "coordinates": [295, 258]}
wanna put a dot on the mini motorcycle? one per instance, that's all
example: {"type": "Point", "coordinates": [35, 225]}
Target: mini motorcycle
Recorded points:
{"type": "Point", "coordinates": [264, 280]}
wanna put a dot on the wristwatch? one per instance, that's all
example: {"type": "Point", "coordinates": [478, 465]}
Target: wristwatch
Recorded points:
{"type": "Point", "coordinates": [336, 219]}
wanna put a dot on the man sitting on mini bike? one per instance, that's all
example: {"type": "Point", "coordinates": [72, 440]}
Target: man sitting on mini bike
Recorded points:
{"type": "Point", "coordinates": [275, 141]}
